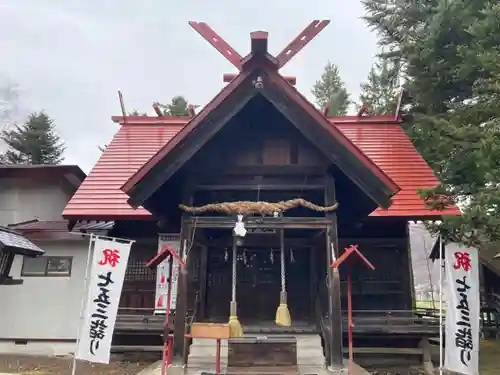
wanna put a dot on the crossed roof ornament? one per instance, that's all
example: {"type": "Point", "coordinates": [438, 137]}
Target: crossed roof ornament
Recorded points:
{"type": "Point", "coordinates": [260, 40]}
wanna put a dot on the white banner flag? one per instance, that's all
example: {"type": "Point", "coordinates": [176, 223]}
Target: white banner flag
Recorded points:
{"type": "Point", "coordinates": [461, 294]}
{"type": "Point", "coordinates": [172, 241]}
{"type": "Point", "coordinates": [107, 272]}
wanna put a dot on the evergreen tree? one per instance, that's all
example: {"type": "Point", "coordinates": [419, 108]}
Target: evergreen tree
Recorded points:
{"type": "Point", "coordinates": [380, 89]}
{"type": "Point", "coordinates": [449, 52]}
{"type": "Point", "coordinates": [330, 90]}
{"type": "Point", "coordinates": [178, 107]}
{"type": "Point", "coordinates": [398, 23]}
{"type": "Point", "coordinates": [35, 142]}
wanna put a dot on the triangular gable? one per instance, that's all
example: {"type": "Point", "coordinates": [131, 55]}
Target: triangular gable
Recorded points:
{"type": "Point", "coordinates": [259, 76]}
{"type": "Point", "coordinates": [334, 144]}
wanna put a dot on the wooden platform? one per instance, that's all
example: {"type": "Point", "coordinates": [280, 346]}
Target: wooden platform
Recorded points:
{"type": "Point", "coordinates": [364, 325]}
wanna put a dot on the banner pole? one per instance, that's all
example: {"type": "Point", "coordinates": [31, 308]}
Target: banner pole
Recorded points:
{"type": "Point", "coordinates": [166, 330]}
{"type": "Point", "coordinates": [441, 266]}
{"type": "Point", "coordinates": [84, 300]}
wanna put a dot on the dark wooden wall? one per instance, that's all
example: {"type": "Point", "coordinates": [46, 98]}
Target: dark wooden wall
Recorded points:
{"type": "Point", "coordinates": [491, 281]}
{"type": "Point", "coordinates": [269, 141]}
{"type": "Point", "coordinates": [384, 241]}
{"type": "Point", "coordinates": [385, 288]}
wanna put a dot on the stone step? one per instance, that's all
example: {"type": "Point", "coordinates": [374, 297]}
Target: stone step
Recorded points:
{"type": "Point", "coordinates": [207, 342]}
{"type": "Point", "coordinates": [202, 353]}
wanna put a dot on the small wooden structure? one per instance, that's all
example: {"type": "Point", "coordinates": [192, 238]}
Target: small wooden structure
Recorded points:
{"type": "Point", "coordinates": [12, 244]}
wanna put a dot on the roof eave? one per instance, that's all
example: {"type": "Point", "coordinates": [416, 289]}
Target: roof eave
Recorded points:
{"type": "Point", "coordinates": [103, 216]}
{"type": "Point", "coordinates": [151, 120]}
{"type": "Point", "coordinates": [137, 189]}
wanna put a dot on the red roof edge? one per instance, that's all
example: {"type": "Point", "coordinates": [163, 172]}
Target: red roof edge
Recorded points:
{"type": "Point", "coordinates": [100, 216]}
{"type": "Point", "coordinates": [183, 120]}
{"type": "Point", "coordinates": [382, 119]}
{"type": "Point", "coordinates": [149, 120]}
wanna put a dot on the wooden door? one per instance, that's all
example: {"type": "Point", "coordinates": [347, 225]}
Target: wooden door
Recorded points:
{"type": "Point", "coordinates": [258, 287]}
{"type": "Point", "coordinates": [139, 286]}
{"type": "Point", "coordinates": [218, 289]}
{"type": "Point", "coordinates": [258, 284]}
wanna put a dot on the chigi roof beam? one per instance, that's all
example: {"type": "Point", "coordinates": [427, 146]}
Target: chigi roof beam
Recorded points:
{"type": "Point", "coordinates": [259, 43]}
{"type": "Point", "coordinates": [296, 45]}
{"type": "Point", "coordinates": [220, 44]}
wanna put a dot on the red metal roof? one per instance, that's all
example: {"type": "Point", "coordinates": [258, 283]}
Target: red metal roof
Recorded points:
{"type": "Point", "coordinates": [391, 149]}
{"type": "Point", "coordinates": [100, 196]}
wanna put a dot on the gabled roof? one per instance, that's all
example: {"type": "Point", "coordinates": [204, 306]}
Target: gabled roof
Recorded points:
{"type": "Point", "coordinates": [295, 107]}
{"type": "Point", "coordinates": [380, 138]}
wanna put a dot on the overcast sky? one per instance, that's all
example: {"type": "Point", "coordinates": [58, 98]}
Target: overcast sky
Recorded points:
{"type": "Point", "coordinates": [70, 57]}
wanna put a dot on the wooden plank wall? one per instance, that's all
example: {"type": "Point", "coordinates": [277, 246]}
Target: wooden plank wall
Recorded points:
{"type": "Point", "coordinates": [388, 287]}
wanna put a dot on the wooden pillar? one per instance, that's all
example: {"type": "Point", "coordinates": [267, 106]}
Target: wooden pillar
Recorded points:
{"type": "Point", "coordinates": [313, 280]}
{"type": "Point", "coordinates": [181, 308]}
{"type": "Point", "coordinates": [203, 282]}
{"type": "Point", "coordinates": [179, 345]}
{"type": "Point", "coordinates": [333, 287]}
{"type": "Point", "coordinates": [410, 302]}
{"type": "Point", "coordinates": [483, 288]}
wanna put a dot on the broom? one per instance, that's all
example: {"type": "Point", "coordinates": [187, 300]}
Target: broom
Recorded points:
{"type": "Point", "coordinates": [283, 314]}
{"type": "Point", "coordinates": [235, 328]}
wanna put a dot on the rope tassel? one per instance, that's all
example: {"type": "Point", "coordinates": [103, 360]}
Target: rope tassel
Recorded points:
{"type": "Point", "coordinates": [235, 328]}
{"type": "Point", "coordinates": [283, 314]}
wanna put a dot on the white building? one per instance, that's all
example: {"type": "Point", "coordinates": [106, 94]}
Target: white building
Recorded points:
{"type": "Point", "coordinates": [40, 316]}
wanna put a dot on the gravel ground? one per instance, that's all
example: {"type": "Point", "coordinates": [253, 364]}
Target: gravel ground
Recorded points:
{"type": "Point", "coordinates": [38, 365]}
